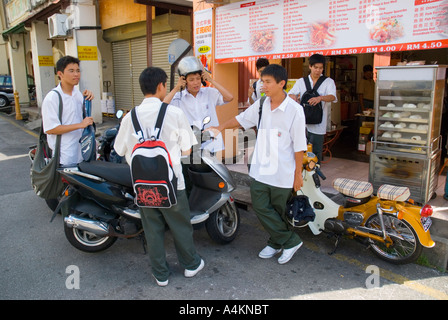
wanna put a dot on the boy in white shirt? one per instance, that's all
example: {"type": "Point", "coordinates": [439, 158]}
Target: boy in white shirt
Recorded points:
{"type": "Point", "coordinates": [198, 102]}
{"type": "Point", "coordinates": [276, 167]}
{"type": "Point", "coordinates": [327, 95]}
{"type": "Point", "coordinates": [72, 123]}
{"type": "Point", "coordinates": [178, 137]}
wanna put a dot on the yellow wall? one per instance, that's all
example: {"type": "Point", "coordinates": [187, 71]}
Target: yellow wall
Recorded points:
{"type": "Point", "coordinates": [115, 13]}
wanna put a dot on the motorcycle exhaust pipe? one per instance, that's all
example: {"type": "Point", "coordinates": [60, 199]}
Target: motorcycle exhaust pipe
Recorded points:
{"type": "Point", "coordinates": [96, 227]}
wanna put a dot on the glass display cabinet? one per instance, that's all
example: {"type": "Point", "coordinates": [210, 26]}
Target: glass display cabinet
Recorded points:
{"type": "Point", "coordinates": [407, 142]}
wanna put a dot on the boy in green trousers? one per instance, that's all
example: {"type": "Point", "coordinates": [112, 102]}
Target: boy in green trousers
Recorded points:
{"type": "Point", "coordinates": [178, 137]}
{"type": "Point", "coordinates": [276, 166]}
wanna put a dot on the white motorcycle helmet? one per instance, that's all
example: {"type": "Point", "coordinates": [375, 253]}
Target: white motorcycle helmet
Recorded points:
{"type": "Point", "coordinates": [189, 65]}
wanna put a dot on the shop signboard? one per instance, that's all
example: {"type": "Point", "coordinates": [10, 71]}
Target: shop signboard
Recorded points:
{"type": "Point", "coordinates": [203, 43]}
{"type": "Point", "coordinates": [16, 11]}
{"type": "Point", "coordinates": [279, 29]}
{"type": "Point", "coordinates": [87, 53]}
{"type": "Point", "coordinates": [46, 61]}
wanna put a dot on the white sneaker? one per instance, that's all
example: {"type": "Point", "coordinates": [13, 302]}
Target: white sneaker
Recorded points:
{"type": "Point", "coordinates": [192, 273]}
{"type": "Point", "coordinates": [268, 252]}
{"type": "Point", "coordinates": [161, 283]}
{"type": "Point", "coordinates": [288, 253]}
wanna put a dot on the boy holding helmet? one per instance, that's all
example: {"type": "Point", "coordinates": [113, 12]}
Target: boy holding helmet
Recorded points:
{"type": "Point", "coordinates": [197, 101]}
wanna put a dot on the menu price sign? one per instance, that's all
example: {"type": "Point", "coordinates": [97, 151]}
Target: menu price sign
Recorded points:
{"type": "Point", "coordinates": [203, 26]}
{"type": "Point", "coordinates": [282, 29]}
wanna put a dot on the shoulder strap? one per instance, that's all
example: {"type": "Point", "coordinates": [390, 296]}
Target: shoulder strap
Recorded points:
{"type": "Point", "coordinates": [58, 137]}
{"type": "Point", "coordinates": [136, 124]}
{"type": "Point", "coordinates": [160, 118]}
{"type": "Point", "coordinates": [319, 82]}
{"type": "Point", "coordinates": [60, 105]}
{"type": "Point", "coordinates": [260, 111]}
{"type": "Point", "coordinates": [159, 122]}
{"type": "Point", "coordinates": [254, 85]}
{"type": "Point", "coordinates": [307, 83]}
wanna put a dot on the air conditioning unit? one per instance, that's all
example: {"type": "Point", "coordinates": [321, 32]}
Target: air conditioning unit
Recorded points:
{"type": "Point", "coordinates": [57, 26]}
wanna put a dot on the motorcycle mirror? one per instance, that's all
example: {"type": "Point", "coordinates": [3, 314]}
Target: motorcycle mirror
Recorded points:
{"type": "Point", "coordinates": [119, 114]}
{"type": "Point", "coordinates": [206, 120]}
{"type": "Point", "coordinates": [311, 165]}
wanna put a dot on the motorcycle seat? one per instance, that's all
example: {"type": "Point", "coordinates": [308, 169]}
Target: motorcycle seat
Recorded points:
{"type": "Point", "coordinates": [390, 192]}
{"type": "Point", "coordinates": [353, 188]}
{"type": "Point", "coordinates": [118, 173]}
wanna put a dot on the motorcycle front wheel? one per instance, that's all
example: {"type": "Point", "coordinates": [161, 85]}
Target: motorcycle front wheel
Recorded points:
{"type": "Point", "coordinates": [223, 224]}
{"type": "Point", "coordinates": [406, 247]}
{"type": "Point", "coordinates": [87, 241]}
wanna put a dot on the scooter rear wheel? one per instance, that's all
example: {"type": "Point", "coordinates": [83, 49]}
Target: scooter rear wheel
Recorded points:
{"type": "Point", "coordinates": [406, 247]}
{"type": "Point", "coordinates": [223, 224]}
{"type": "Point", "coordinates": [87, 241]}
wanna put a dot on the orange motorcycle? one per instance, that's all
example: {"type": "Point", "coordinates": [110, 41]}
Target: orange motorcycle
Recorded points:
{"type": "Point", "coordinates": [393, 227]}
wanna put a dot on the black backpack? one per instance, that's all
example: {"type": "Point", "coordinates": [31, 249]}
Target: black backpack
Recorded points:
{"type": "Point", "coordinates": [313, 114]}
{"type": "Point", "coordinates": [153, 178]}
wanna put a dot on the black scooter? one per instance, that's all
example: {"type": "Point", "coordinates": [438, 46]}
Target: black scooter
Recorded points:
{"type": "Point", "coordinates": [106, 141]}
{"type": "Point", "coordinates": [98, 205]}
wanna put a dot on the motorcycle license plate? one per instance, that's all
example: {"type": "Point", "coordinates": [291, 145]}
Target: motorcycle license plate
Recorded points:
{"type": "Point", "coordinates": [426, 222]}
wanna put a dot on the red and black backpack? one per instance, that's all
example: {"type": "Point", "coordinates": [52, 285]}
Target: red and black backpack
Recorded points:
{"type": "Point", "coordinates": [153, 178]}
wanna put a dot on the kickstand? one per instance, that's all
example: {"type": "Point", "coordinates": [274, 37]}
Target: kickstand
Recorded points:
{"type": "Point", "coordinates": [336, 244]}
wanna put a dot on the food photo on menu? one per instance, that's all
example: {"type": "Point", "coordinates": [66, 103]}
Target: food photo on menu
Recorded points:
{"type": "Point", "coordinates": [386, 31]}
{"type": "Point", "coordinates": [322, 34]}
{"type": "Point", "coordinates": [262, 40]}
{"type": "Point", "coordinates": [443, 18]}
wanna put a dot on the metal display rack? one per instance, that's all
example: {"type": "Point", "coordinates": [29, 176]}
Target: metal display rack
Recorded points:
{"type": "Point", "coordinates": [407, 142]}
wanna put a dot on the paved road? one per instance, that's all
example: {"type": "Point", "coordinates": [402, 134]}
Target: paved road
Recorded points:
{"type": "Point", "coordinates": [38, 263]}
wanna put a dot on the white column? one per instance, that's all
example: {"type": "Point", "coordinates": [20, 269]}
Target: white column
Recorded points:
{"type": "Point", "coordinates": [84, 46]}
{"type": "Point", "coordinates": [43, 63]}
{"type": "Point", "coordinates": [16, 50]}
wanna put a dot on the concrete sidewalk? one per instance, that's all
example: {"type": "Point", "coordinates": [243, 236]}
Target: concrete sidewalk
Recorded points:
{"type": "Point", "coordinates": [342, 168]}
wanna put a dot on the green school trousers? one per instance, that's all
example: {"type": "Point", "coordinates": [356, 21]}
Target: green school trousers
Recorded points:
{"type": "Point", "coordinates": [269, 204]}
{"type": "Point", "coordinates": [178, 220]}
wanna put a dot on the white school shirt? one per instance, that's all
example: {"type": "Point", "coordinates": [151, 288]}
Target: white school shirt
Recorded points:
{"type": "Point", "coordinates": [199, 107]}
{"type": "Point", "coordinates": [280, 135]}
{"type": "Point", "coordinates": [327, 87]}
{"type": "Point", "coordinates": [176, 133]}
{"type": "Point", "coordinates": [71, 114]}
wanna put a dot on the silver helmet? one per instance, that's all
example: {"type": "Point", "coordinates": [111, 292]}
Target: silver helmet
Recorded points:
{"type": "Point", "coordinates": [189, 65]}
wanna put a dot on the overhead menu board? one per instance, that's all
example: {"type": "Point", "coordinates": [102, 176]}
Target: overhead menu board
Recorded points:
{"type": "Point", "coordinates": [279, 29]}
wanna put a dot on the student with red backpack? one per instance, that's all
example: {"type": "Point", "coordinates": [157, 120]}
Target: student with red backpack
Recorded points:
{"type": "Point", "coordinates": [177, 136]}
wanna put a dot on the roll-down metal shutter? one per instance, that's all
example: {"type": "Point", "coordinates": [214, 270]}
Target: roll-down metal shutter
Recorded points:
{"type": "Point", "coordinates": [129, 59]}
{"type": "Point", "coordinates": [122, 74]}
{"type": "Point", "coordinates": [139, 62]}
{"type": "Point", "coordinates": [161, 43]}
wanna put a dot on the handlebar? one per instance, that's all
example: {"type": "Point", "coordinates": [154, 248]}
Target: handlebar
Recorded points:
{"type": "Point", "coordinates": [202, 136]}
{"type": "Point", "coordinates": [320, 173]}
{"type": "Point", "coordinates": [207, 135]}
